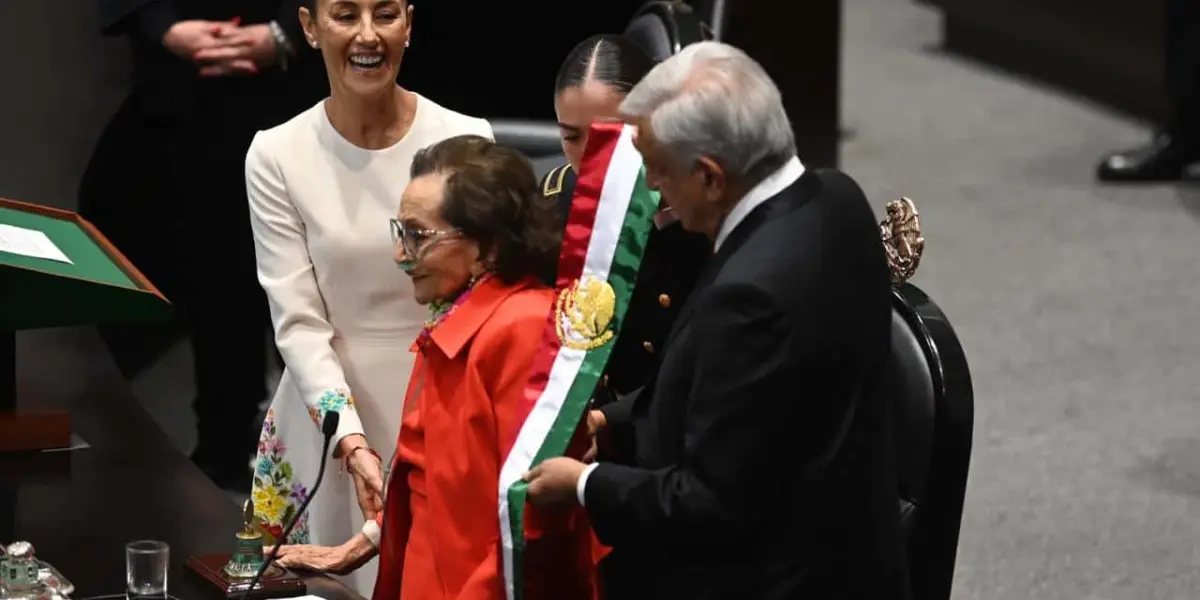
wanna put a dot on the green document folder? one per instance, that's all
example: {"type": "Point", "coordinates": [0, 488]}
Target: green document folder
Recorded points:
{"type": "Point", "coordinates": [98, 285]}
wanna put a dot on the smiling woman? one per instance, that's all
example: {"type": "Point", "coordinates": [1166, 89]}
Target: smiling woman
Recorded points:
{"type": "Point", "coordinates": [362, 41]}
{"type": "Point", "coordinates": [322, 188]}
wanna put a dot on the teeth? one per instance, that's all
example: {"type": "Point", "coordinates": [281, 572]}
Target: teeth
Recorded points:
{"type": "Point", "coordinates": [366, 61]}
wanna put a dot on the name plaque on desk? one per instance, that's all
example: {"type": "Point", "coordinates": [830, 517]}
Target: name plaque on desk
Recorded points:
{"type": "Point", "coordinates": [233, 572]}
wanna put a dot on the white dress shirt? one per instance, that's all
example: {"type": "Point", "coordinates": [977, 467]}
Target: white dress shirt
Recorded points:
{"type": "Point", "coordinates": [765, 190]}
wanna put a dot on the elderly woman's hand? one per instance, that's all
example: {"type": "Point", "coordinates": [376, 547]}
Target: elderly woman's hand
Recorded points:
{"type": "Point", "coordinates": [337, 560]}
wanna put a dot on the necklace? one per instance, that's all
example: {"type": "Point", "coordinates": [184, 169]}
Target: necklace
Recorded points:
{"type": "Point", "coordinates": [440, 310]}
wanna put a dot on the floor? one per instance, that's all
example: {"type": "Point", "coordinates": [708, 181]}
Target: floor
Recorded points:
{"type": "Point", "coordinates": [1076, 304]}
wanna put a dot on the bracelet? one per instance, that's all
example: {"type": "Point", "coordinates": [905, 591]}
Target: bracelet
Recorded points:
{"type": "Point", "coordinates": [283, 46]}
{"type": "Point", "coordinates": [346, 459]}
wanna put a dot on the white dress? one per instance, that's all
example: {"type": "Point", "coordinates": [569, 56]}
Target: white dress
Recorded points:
{"type": "Point", "coordinates": [344, 315]}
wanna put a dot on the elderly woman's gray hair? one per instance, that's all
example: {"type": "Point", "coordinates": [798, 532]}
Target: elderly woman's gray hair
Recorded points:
{"type": "Point", "coordinates": [713, 100]}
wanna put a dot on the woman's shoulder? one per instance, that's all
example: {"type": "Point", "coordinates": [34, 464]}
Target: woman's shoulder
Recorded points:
{"type": "Point", "coordinates": [558, 179]}
{"type": "Point", "coordinates": [441, 122]}
{"type": "Point", "coordinates": [527, 306]}
{"type": "Point", "coordinates": [286, 135]}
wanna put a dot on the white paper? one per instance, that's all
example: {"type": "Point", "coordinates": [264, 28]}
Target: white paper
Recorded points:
{"type": "Point", "coordinates": [29, 242]}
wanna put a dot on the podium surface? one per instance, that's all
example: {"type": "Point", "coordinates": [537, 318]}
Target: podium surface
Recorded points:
{"type": "Point", "coordinates": [57, 270]}
{"type": "Point", "coordinates": [95, 284]}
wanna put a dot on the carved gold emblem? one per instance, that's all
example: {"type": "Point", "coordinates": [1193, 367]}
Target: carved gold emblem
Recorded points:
{"type": "Point", "coordinates": [901, 232]}
{"type": "Point", "coordinates": [584, 313]}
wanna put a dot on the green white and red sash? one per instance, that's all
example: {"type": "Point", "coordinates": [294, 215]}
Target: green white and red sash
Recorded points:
{"type": "Point", "coordinates": [611, 217]}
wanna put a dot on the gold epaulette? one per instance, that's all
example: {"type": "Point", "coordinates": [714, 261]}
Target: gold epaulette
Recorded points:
{"type": "Point", "coordinates": [552, 184]}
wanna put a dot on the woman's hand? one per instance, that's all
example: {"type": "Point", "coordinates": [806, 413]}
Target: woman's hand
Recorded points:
{"type": "Point", "coordinates": [367, 471]}
{"type": "Point", "coordinates": [337, 560]}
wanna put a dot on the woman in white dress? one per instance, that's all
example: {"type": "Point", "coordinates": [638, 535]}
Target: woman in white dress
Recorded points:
{"type": "Point", "coordinates": [322, 188]}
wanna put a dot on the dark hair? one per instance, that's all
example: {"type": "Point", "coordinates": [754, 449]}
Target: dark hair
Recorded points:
{"type": "Point", "coordinates": [492, 197]}
{"type": "Point", "coordinates": [610, 59]}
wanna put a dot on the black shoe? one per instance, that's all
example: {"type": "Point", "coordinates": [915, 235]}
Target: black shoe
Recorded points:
{"type": "Point", "coordinates": [1164, 159]}
{"type": "Point", "coordinates": [230, 472]}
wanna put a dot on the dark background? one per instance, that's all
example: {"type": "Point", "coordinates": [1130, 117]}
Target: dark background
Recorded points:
{"type": "Point", "coordinates": [60, 81]}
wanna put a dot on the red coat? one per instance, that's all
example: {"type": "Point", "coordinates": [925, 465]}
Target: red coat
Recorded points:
{"type": "Point", "coordinates": [441, 529]}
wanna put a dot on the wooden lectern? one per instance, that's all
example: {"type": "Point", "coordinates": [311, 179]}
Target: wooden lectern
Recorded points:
{"type": "Point", "coordinates": [95, 285]}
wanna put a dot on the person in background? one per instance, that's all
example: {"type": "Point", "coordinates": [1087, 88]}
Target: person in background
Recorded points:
{"type": "Point", "coordinates": [763, 467]}
{"type": "Point", "coordinates": [1177, 143]}
{"type": "Point", "coordinates": [322, 187]}
{"type": "Point", "coordinates": [165, 183]}
{"type": "Point", "coordinates": [592, 81]}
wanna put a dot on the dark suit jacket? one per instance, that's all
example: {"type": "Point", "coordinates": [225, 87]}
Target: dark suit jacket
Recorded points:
{"type": "Point", "coordinates": [166, 86]}
{"type": "Point", "coordinates": [762, 468]}
{"type": "Point", "coordinates": [673, 260]}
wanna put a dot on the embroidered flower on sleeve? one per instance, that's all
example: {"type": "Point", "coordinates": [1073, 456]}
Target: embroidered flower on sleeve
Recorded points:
{"type": "Point", "coordinates": [330, 400]}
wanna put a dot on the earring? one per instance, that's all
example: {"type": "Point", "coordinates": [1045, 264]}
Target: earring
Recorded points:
{"type": "Point", "coordinates": [314, 43]}
{"type": "Point", "coordinates": [405, 43]}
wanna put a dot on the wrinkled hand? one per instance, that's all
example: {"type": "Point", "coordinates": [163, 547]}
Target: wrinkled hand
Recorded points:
{"type": "Point", "coordinates": [554, 481]}
{"type": "Point", "coordinates": [242, 51]}
{"type": "Point", "coordinates": [186, 38]}
{"type": "Point", "coordinates": [367, 473]}
{"type": "Point", "coordinates": [338, 560]}
{"type": "Point", "coordinates": [595, 422]}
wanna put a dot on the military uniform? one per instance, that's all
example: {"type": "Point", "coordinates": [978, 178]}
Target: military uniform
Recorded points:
{"type": "Point", "coordinates": [673, 260]}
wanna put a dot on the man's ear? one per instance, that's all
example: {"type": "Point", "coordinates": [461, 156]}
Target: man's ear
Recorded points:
{"type": "Point", "coordinates": [714, 177]}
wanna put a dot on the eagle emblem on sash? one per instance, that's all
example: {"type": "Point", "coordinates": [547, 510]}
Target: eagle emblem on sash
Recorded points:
{"type": "Point", "coordinates": [584, 313]}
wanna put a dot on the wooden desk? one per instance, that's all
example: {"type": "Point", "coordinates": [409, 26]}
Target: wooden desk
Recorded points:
{"type": "Point", "coordinates": [131, 484]}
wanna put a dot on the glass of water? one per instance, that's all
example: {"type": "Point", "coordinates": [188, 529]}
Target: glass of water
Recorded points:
{"type": "Point", "coordinates": [146, 563]}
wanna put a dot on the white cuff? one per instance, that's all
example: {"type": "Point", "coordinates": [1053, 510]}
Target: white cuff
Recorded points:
{"type": "Point", "coordinates": [581, 486]}
{"type": "Point", "coordinates": [372, 531]}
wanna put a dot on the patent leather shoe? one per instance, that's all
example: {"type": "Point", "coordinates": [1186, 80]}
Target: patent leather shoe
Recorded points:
{"type": "Point", "coordinates": [1163, 159]}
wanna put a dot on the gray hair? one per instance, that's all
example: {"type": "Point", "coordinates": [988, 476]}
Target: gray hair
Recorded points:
{"type": "Point", "coordinates": [713, 100]}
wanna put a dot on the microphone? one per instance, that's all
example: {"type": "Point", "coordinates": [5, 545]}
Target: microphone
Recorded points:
{"type": "Point", "coordinates": [329, 426]}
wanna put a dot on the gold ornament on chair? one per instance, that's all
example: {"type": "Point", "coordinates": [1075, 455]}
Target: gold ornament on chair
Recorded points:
{"type": "Point", "coordinates": [902, 241]}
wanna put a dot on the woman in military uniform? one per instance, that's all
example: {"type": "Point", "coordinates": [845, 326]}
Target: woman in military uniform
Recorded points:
{"type": "Point", "coordinates": [592, 82]}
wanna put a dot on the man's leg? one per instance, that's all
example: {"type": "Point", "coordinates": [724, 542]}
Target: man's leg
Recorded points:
{"type": "Point", "coordinates": [1178, 143]}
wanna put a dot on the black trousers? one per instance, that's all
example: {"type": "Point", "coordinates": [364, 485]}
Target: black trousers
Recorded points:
{"type": "Point", "coordinates": [1183, 69]}
{"type": "Point", "coordinates": [171, 194]}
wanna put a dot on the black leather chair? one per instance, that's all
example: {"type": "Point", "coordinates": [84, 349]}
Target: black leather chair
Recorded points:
{"type": "Point", "coordinates": [934, 417]}
{"type": "Point", "coordinates": [663, 28]}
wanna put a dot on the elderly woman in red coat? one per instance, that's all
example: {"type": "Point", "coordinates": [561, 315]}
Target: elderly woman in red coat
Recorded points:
{"type": "Point", "coordinates": [473, 232]}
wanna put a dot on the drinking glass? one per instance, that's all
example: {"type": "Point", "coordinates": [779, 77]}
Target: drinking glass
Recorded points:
{"type": "Point", "coordinates": [146, 564]}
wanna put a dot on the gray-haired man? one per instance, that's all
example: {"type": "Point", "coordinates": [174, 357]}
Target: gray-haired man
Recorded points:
{"type": "Point", "coordinates": [762, 468]}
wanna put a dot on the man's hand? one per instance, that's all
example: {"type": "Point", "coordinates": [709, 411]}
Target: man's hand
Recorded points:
{"type": "Point", "coordinates": [554, 481]}
{"type": "Point", "coordinates": [595, 422]}
{"type": "Point", "coordinates": [242, 51]}
{"type": "Point", "coordinates": [186, 38]}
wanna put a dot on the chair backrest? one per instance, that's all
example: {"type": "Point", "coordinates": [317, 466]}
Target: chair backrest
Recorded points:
{"type": "Point", "coordinates": [662, 28]}
{"type": "Point", "coordinates": [933, 414]}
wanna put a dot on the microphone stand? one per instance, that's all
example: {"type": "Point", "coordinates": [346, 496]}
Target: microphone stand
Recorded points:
{"type": "Point", "coordinates": [329, 427]}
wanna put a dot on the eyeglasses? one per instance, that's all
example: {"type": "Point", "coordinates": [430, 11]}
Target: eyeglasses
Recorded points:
{"type": "Point", "coordinates": [417, 242]}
